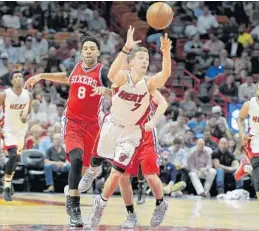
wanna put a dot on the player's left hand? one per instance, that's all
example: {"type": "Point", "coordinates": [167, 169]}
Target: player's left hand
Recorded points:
{"type": "Point", "coordinates": [166, 43]}
{"type": "Point", "coordinates": [98, 91]}
{"type": "Point", "coordinates": [149, 125]}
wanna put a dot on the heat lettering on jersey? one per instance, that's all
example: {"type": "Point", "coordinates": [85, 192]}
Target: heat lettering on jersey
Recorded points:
{"type": "Point", "coordinates": [255, 119]}
{"type": "Point", "coordinates": [131, 97]}
{"type": "Point", "coordinates": [17, 106]}
{"type": "Point", "coordinates": [84, 80]}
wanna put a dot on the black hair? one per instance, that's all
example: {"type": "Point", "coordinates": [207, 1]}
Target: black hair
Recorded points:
{"type": "Point", "coordinates": [178, 140]}
{"type": "Point", "coordinates": [13, 73]}
{"type": "Point", "coordinates": [88, 38]}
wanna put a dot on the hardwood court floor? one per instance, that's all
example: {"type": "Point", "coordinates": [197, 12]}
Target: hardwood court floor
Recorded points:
{"type": "Point", "coordinates": [46, 212]}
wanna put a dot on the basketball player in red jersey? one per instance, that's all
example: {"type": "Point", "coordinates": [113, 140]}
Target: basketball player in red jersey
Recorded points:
{"type": "Point", "coordinates": [80, 122]}
{"type": "Point", "coordinates": [129, 107]}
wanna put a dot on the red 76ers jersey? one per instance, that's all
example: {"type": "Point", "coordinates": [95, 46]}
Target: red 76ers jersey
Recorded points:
{"type": "Point", "coordinates": [80, 105]}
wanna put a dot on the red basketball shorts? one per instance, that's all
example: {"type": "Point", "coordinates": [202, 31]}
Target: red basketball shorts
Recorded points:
{"type": "Point", "coordinates": [252, 146]}
{"type": "Point", "coordinates": [78, 134]}
{"type": "Point", "coordinates": [145, 156]}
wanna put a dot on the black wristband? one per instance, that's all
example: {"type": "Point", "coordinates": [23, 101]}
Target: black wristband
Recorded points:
{"type": "Point", "coordinates": [125, 52]}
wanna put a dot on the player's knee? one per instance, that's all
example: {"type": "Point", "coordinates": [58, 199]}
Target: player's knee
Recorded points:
{"type": "Point", "coordinates": [125, 179]}
{"type": "Point", "coordinates": [76, 156]}
{"type": "Point", "coordinates": [96, 161]}
{"type": "Point", "coordinates": [150, 178]}
{"type": "Point", "coordinates": [12, 161]}
{"type": "Point", "coordinates": [115, 173]}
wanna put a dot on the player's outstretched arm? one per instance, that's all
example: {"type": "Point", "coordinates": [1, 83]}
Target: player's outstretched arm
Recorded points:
{"type": "Point", "coordinates": [2, 98]}
{"type": "Point", "coordinates": [59, 77]}
{"type": "Point", "coordinates": [243, 113]}
{"type": "Point", "coordinates": [158, 80]}
{"type": "Point", "coordinates": [116, 74]}
{"type": "Point", "coordinates": [162, 105]}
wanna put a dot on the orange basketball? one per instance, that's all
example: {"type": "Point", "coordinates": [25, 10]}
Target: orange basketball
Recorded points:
{"type": "Point", "coordinates": [159, 15]}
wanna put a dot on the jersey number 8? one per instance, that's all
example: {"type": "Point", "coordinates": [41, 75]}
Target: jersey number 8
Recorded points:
{"type": "Point", "coordinates": [81, 92]}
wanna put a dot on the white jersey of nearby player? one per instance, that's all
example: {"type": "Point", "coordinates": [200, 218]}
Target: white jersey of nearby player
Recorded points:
{"type": "Point", "coordinates": [254, 116]}
{"type": "Point", "coordinates": [131, 102]}
{"type": "Point", "coordinates": [13, 107]}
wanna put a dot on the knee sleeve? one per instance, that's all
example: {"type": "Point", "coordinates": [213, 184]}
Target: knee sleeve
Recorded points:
{"type": "Point", "coordinates": [75, 174]}
{"type": "Point", "coordinates": [96, 161]}
{"type": "Point", "coordinates": [12, 161]}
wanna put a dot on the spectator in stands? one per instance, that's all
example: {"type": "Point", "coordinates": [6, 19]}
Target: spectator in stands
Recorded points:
{"type": "Point", "coordinates": [244, 38]}
{"type": "Point", "coordinates": [194, 46]}
{"type": "Point", "coordinates": [63, 51]}
{"type": "Point", "coordinates": [181, 125]}
{"type": "Point", "coordinates": [97, 23]}
{"type": "Point", "coordinates": [187, 104]}
{"type": "Point", "coordinates": [200, 166]}
{"type": "Point", "coordinates": [213, 71]}
{"type": "Point", "coordinates": [168, 133]}
{"type": "Point", "coordinates": [11, 20]}
{"type": "Point", "coordinates": [40, 44]}
{"type": "Point", "coordinates": [47, 141]}
{"type": "Point", "coordinates": [226, 62]}
{"type": "Point", "coordinates": [246, 90]}
{"type": "Point", "coordinates": [189, 140]}
{"type": "Point", "coordinates": [225, 163]}
{"type": "Point", "coordinates": [243, 63]}
{"type": "Point", "coordinates": [178, 157]}
{"type": "Point", "coordinates": [36, 116]}
{"type": "Point", "coordinates": [4, 63]}
{"type": "Point", "coordinates": [197, 124]}
{"type": "Point", "coordinates": [28, 52]}
{"type": "Point", "coordinates": [229, 88]}
{"type": "Point", "coordinates": [107, 48]}
{"type": "Point", "coordinates": [216, 112]}
{"type": "Point", "coordinates": [213, 45]}
{"type": "Point", "coordinates": [209, 142]}
{"type": "Point", "coordinates": [68, 64]}
{"type": "Point", "coordinates": [10, 51]}
{"type": "Point", "coordinates": [57, 117]}
{"type": "Point", "coordinates": [33, 141]}
{"type": "Point", "coordinates": [47, 106]}
{"type": "Point", "coordinates": [255, 61]}
{"type": "Point", "coordinates": [233, 47]}
{"type": "Point", "coordinates": [168, 177]}
{"type": "Point", "coordinates": [206, 21]}
{"type": "Point", "coordinates": [53, 60]}
{"type": "Point", "coordinates": [153, 36]}
{"type": "Point", "coordinates": [55, 161]}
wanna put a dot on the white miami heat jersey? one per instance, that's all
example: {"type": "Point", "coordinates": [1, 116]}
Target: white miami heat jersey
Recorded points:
{"type": "Point", "coordinates": [13, 107]}
{"type": "Point", "coordinates": [131, 102]}
{"type": "Point", "coordinates": [254, 116]}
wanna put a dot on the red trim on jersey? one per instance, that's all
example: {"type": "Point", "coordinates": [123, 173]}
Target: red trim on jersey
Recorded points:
{"type": "Point", "coordinates": [144, 117]}
{"type": "Point", "coordinates": [249, 153]}
{"type": "Point", "coordinates": [91, 68]}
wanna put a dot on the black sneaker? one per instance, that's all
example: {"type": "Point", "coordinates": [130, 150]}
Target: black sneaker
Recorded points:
{"type": "Point", "coordinates": [68, 201]}
{"type": "Point", "coordinates": [8, 194]}
{"type": "Point", "coordinates": [12, 189]}
{"type": "Point", "coordinates": [76, 218]}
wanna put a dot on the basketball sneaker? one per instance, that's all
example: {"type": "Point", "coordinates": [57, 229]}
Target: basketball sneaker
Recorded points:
{"type": "Point", "coordinates": [131, 222]}
{"type": "Point", "coordinates": [68, 202]}
{"type": "Point", "coordinates": [159, 214]}
{"type": "Point", "coordinates": [87, 180]}
{"type": "Point", "coordinates": [76, 218]}
{"type": "Point", "coordinates": [96, 215]}
{"type": "Point", "coordinates": [8, 194]}
{"type": "Point", "coordinates": [240, 172]}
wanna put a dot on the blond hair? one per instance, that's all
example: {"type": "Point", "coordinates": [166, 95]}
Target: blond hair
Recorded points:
{"type": "Point", "coordinates": [135, 51]}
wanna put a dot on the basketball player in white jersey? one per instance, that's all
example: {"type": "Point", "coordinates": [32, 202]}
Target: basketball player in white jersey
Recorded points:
{"type": "Point", "coordinates": [122, 131]}
{"type": "Point", "coordinates": [16, 103]}
{"type": "Point", "coordinates": [251, 142]}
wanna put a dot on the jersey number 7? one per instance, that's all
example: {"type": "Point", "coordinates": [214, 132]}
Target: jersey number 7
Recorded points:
{"type": "Point", "coordinates": [136, 106]}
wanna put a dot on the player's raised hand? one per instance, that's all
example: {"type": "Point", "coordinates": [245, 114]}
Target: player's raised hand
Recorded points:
{"type": "Point", "coordinates": [130, 42]}
{"type": "Point", "coordinates": [32, 81]}
{"type": "Point", "coordinates": [99, 91]}
{"type": "Point", "coordinates": [166, 43]}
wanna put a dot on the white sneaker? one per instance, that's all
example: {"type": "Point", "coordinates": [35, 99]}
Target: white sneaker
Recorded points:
{"type": "Point", "coordinates": [96, 215]}
{"type": "Point", "coordinates": [87, 180]}
{"type": "Point", "coordinates": [131, 222]}
{"type": "Point", "coordinates": [68, 202]}
{"type": "Point", "coordinates": [159, 214]}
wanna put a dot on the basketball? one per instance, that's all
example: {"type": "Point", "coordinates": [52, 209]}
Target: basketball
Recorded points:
{"type": "Point", "coordinates": [159, 15]}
